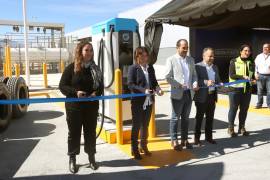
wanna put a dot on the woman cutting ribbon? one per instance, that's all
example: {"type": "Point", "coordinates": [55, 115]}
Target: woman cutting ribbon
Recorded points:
{"type": "Point", "coordinates": [141, 79]}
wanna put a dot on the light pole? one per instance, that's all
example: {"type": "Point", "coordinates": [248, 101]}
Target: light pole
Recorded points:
{"type": "Point", "coordinates": [27, 71]}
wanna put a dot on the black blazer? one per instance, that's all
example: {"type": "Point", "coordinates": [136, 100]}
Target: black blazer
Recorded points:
{"type": "Point", "coordinates": [137, 81]}
{"type": "Point", "coordinates": [202, 93]}
{"type": "Point", "coordinates": [70, 83]}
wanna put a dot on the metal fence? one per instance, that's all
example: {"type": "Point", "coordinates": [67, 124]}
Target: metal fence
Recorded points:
{"type": "Point", "coordinates": [41, 49]}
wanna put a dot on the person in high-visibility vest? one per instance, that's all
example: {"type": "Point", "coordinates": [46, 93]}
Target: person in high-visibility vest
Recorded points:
{"type": "Point", "coordinates": [241, 67]}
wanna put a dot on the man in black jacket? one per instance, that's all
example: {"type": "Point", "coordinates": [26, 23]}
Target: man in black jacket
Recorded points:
{"type": "Point", "coordinates": [206, 98]}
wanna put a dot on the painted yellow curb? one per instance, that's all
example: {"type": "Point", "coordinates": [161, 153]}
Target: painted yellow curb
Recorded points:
{"type": "Point", "coordinates": [162, 154]}
{"type": "Point", "coordinates": [34, 94]}
{"type": "Point", "coordinates": [264, 111]}
{"type": "Point", "coordinates": [110, 136]}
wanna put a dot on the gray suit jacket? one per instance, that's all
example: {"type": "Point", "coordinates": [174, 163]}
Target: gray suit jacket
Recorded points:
{"type": "Point", "coordinates": [175, 76]}
{"type": "Point", "coordinates": [202, 93]}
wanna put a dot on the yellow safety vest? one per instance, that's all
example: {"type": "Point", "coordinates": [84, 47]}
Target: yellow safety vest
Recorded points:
{"type": "Point", "coordinates": [240, 69]}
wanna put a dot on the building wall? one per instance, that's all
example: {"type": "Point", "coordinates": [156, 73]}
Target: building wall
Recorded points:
{"type": "Point", "coordinates": [80, 34]}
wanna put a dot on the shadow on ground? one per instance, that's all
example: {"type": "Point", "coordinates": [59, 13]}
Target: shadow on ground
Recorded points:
{"type": "Point", "coordinates": [21, 137]}
{"type": "Point", "coordinates": [232, 145]}
{"type": "Point", "coordinates": [203, 172]}
{"type": "Point", "coordinates": [163, 124]}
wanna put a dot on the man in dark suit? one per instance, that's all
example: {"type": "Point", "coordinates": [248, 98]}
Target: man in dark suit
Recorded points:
{"type": "Point", "coordinates": [206, 98]}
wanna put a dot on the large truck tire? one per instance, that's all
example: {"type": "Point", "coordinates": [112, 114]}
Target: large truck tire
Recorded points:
{"type": "Point", "coordinates": [4, 79]}
{"type": "Point", "coordinates": [5, 109]}
{"type": "Point", "coordinates": [18, 90]}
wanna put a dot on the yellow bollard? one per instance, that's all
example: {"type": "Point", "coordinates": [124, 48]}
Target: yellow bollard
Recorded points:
{"type": "Point", "coordinates": [152, 123]}
{"type": "Point", "coordinates": [4, 70]}
{"type": "Point", "coordinates": [17, 70]}
{"type": "Point", "coordinates": [44, 65]}
{"type": "Point", "coordinates": [62, 66]}
{"type": "Point", "coordinates": [8, 62]}
{"type": "Point", "coordinates": [5, 64]}
{"type": "Point", "coordinates": [118, 107]}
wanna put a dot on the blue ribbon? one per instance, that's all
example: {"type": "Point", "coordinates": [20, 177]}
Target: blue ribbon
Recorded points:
{"type": "Point", "coordinates": [121, 96]}
{"type": "Point", "coordinates": [50, 100]}
{"type": "Point", "coordinates": [229, 83]}
{"type": "Point", "coordinates": [219, 85]}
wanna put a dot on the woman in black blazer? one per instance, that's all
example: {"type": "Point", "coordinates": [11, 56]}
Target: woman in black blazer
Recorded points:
{"type": "Point", "coordinates": [82, 78]}
{"type": "Point", "coordinates": [141, 79]}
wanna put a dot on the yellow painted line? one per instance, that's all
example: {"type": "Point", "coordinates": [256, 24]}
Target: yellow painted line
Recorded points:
{"type": "Point", "coordinates": [39, 94]}
{"type": "Point", "coordinates": [264, 111]}
{"type": "Point", "coordinates": [162, 154]}
{"type": "Point", "coordinates": [110, 136]}
{"type": "Point", "coordinates": [164, 82]}
{"type": "Point", "coordinates": [61, 104]}
{"type": "Point", "coordinates": [53, 94]}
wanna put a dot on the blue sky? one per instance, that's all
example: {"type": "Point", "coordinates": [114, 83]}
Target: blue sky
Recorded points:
{"type": "Point", "coordinates": [75, 14]}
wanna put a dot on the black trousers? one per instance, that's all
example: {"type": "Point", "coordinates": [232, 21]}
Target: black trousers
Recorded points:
{"type": "Point", "coordinates": [78, 116]}
{"type": "Point", "coordinates": [238, 100]}
{"type": "Point", "coordinates": [140, 122]}
{"type": "Point", "coordinates": [208, 109]}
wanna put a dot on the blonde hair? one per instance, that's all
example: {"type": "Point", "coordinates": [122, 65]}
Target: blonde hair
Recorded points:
{"type": "Point", "coordinates": [78, 55]}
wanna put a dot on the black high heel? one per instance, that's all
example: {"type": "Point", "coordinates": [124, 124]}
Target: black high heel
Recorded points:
{"type": "Point", "coordinates": [136, 154]}
{"type": "Point", "coordinates": [145, 151]}
{"type": "Point", "coordinates": [72, 164]}
{"type": "Point", "coordinates": [92, 162]}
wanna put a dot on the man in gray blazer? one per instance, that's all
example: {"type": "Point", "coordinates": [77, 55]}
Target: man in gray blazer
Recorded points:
{"type": "Point", "coordinates": [206, 97]}
{"type": "Point", "coordinates": [181, 75]}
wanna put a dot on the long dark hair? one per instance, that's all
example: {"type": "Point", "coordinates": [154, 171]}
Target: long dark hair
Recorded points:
{"type": "Point", "coordinates": [78, 55]}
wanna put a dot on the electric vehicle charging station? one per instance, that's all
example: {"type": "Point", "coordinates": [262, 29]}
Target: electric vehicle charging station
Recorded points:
{"type": "Point", "coordinates": [114, 42]}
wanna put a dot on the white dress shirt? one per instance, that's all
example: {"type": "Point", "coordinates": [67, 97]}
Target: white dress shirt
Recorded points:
{"type": "Point", "coordinates": [146, 75]}
{"type": "Point", "coordinates": [186, 73]}
{"type": "Point", "coordinates": [147, 101]}
{"type": "Point", "coordinates": [211, 75]}
{"type": "Point", "coordinates": [262, 63]}
{"type": "Point", "coordinates": [185, 69]}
